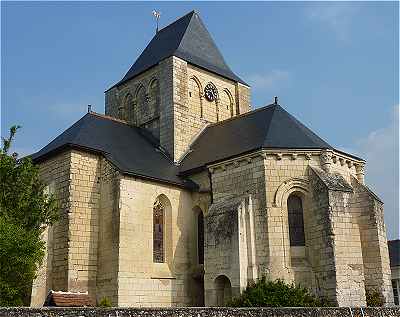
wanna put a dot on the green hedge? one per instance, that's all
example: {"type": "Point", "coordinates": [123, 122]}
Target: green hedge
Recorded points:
{"type": "Point", "coordinates": [266, 293]}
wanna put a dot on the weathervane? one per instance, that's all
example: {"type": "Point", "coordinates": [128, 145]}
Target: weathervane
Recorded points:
{"type": "Point", "coordinates": [157, 15]}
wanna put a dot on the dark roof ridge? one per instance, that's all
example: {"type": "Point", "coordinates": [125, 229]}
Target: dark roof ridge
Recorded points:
{"type": "Point", "coordinates": [104, 116]}
{"type": "Point", "coordinates": [273, 106]}
{"type": "Point", "coordinates": [239, 116]}
{"type": "Point", "coordinates": [186, 38]}
{"type": "Point", "coordinates": [178, 19]}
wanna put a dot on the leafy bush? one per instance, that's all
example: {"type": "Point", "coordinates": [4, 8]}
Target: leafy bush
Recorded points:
{"type": "Point", "coordinates": [374, 298]}
{"type": "Point", "coordinates": [25, 211]}
{"type": "Point", "coordinates": [265, 293]}
{"type": "Point", "coordinates": [105, 302]}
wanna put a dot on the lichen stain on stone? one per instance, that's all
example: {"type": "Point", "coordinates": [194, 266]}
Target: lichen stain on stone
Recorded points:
{"type": "Point", "coordinates": [222, 219]}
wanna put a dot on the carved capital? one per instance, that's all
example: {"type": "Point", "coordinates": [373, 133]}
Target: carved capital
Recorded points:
{"type": "Point", "coordinates": [349, 163]}
{"type": "Point", "coordinates": [294, 156]}
{"type": "Point", "coordinates": [278, 156]}
{"type": "Point", "coordinates": [326, 160]}
{"type": "Point", "coordinates": [360, 172]}
{"type": "Point", "coordinates": [308, 156]}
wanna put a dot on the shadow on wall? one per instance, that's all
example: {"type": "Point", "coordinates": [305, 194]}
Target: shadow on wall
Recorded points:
{"type": "Point", "coordinates": [187, 261]}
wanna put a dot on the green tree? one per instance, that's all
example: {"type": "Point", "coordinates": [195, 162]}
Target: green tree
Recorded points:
{"type": "Point", "coordinates": [25, 211]}
{"type": "Point", "coordinates": [265, 293]}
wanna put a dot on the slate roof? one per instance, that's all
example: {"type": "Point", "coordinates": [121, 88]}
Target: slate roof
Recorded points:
{"type": "Point", "coordinates": [269, 127]}
{"type": "Point", "coordinates": [394, 252]}
{"type": "Point", "coordinates": [126, 147]}
{"type": "Point", "coordinates": [186, 38]}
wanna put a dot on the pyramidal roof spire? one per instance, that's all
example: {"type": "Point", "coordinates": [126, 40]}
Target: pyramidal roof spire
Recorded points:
{"type": "Point", "coordinates": [188, 39]}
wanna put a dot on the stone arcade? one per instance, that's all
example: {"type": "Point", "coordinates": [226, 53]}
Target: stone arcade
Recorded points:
{"type": "Point", "coordinates": [181, 193]}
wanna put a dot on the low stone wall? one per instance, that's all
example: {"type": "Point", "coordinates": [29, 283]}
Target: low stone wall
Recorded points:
{"type": "Point", "coordinates": [200, 312]}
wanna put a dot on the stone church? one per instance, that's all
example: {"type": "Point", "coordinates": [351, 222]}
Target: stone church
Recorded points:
{"type": "Point", "coordinates": [182, 194]}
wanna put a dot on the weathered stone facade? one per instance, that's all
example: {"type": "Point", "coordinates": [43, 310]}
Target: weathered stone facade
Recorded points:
{"type": "Point", "coordinates": [302, 215]}
{"type": "Point", "coordinates": [334, 261]}
{"type": "Point", "coordinates": [176, 109]}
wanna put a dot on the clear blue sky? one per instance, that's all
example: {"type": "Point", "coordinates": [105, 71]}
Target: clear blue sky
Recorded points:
{"type": "Point", "coordinates": [334, 65]}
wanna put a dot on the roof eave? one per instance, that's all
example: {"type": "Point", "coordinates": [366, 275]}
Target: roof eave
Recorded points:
{"type": "Point", "coordinates": [106, 155]}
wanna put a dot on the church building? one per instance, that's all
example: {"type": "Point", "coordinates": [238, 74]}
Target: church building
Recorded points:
{"type": "Point", "coordinates": [181, 193]}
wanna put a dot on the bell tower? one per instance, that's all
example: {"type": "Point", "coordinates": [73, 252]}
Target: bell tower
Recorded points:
{"type": "Point", "coordinates": [178, 85]}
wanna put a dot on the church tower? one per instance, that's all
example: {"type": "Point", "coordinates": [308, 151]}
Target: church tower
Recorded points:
{"type": "Point", "coordinates": [178, 85]}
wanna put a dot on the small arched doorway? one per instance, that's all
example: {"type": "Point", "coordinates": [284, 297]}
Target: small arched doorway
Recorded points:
{"type": "Point", "coordinates": [223, 290]}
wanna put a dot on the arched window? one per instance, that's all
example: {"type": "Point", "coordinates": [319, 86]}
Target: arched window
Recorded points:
{"type": "Point", "coordinates": [130, 109]}
{"type": "Point", "coordinates": [154, 99]}
{"type": "Point", "coordinates": [121, 113]}
{"type": "Point", "coordinates": [225, 110]}
{"type": "Point", "coordinates": [153, 112]}
{"type": "Point", "coordinates": [141, 104]}
{"type": "Point", "coordinates": [158, 232]}
{"type": "Point", "coordinates": [195, 107]}
{"type": "Point", "coordinates": [296, 221]}
{"type": "Point", "coordinates": [200, 237]}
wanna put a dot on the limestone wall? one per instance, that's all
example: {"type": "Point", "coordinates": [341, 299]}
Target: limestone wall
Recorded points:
{"type": "Point", "coordinates": [243, 98]}
{"type": "Point", "coordinates": [141, 282]}
{"type": "Point", "coordinates": [108, 245]}
{"type": "Point", "coordinates": [83, 221]}
{"type": "Point", "coordinates": [72, 243]}
{"type": "Point", "coordinates": [192, 111]}
{"type": "Point", "coordinates": [229, 249]}
{"type": "Point", "coordinates": [53, 274]}
{"type": "Point", "coordinates": [168, 100]}
{"type": "Point", "coordinates": [223, 108]}
{"type": "Point", "coordinates": [347, 251]}
{"type": "Point", "coordinates": [137, 100]}
{"type": "Point", "coordinates": [319, 235]}
{"type": "Point", "coordinates": [241, 178]}
{"type": "Point", "coordinates": [369, 212]}
{"type": "Point", "coordinates": [331, 261]}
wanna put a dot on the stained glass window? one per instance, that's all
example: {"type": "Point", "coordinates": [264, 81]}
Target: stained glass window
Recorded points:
{"type": "Point", "coordinates": [200, 238]}
{"type": "Point", "coordinates": [158, 232]}
{"type": "Point", "coordinates": [296, 222]}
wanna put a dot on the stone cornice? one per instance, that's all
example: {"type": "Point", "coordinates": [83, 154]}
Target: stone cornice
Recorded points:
{"type": "Point", "coordinates": [292, 154]}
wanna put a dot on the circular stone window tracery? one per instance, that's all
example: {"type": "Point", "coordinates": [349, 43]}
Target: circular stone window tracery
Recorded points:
{"type": "Point", "coordinates": [210, 92]}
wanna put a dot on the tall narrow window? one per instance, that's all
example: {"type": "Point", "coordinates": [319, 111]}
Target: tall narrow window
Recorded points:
{"type": "Point", "coordinates": [296, 222]}
{"type": "Point", "coordinates": [200, 238]}
{"type": "Point", "coordinates": [158, 232]}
